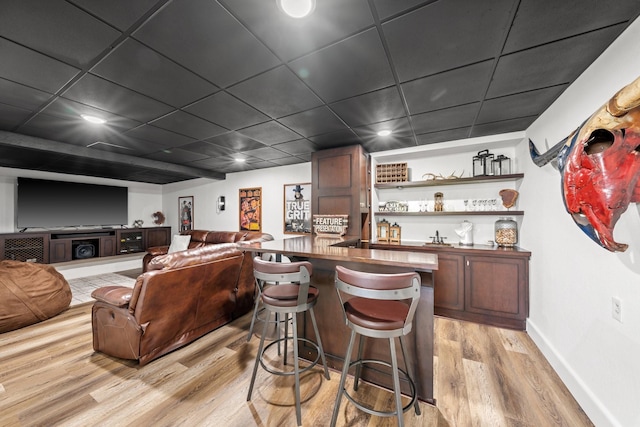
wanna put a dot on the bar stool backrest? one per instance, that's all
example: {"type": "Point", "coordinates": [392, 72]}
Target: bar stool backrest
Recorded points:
{"type": "Point", "coordinates": [378, 286]}
{"type": "Point", "coordinates": [285, 272]}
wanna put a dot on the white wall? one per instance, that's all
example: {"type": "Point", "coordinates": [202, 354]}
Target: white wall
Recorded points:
{"type": "Point", "coordinates": [206, 192]}
{"type": "Point", "coordinates": [572, 279]}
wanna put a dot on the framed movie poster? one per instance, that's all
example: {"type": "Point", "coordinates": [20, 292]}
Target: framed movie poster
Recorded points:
{"type": "Point", "coordinates": [297, 208]}
{"type": "Point", "coordinates": [185, 213]}
{"type": "Point", "coordinates": [251, 209]}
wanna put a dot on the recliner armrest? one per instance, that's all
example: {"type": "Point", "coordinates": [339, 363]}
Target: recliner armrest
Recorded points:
{"type": "Point", "coordinates": [158, 250]}
{"type": "Point", "coordinates": [118, 296]}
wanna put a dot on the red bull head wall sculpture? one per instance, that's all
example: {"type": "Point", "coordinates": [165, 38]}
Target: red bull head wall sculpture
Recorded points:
{"type": "Point", "coordinates": [600, 166]}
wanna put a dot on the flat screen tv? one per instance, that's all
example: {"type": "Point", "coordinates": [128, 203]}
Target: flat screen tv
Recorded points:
{"type": "Point", "coordinates": [52, 204]}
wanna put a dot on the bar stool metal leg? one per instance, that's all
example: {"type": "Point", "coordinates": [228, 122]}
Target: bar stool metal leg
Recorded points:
{"type": "Point", "coordinates": [343, 378]}
{"type": "Point", "coordinates": [396, 381]}
{"type": "Point", "coordinates": [255, 366]}
{"type": "Point", "coordinates": [408, 365]}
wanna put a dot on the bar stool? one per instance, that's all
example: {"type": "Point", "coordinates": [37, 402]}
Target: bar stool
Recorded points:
{"type": "Point", "coordinates": [376, 306]}
{"type": "Point", "coordinates": [260, 285]}
{"type": "Point", "coordinates": [294, 295]}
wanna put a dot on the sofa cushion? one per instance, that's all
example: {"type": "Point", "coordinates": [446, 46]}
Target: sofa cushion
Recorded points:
{"type": "Point", "coordinates": [215, 237]}
{"type": "Point", "coordinates": [194, 256]}
{"type": "Point", "coordinates": [179, 243]}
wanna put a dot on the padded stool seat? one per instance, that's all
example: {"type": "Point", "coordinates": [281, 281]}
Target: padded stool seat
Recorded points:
{"type": "Point", "coordinates": [377, 306]}
{"type": "Point", "coordinates": [294, 295]}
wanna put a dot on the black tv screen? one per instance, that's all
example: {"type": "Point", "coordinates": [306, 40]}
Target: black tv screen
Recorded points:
{"type": "Point", "coordinates": [49, 204]}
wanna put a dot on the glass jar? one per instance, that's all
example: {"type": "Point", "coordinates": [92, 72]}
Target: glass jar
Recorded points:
{"type": "Point", "coordinates": [506, 232]}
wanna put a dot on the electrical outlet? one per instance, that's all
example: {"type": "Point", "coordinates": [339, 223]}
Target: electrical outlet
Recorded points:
{"type": "Point", "coordinates": [616, 309]}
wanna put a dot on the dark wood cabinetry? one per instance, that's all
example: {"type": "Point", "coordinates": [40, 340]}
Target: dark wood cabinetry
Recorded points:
{"type": "Point", "coordinates": [69, 245]}
{"type": "Point", "coordinates": [482, 284]}
{"type": "Point", "coordinates": [340, 185]}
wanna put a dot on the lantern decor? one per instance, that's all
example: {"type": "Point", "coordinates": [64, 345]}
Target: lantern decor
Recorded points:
{"type": "Point", "coordinates": [438, 204]}
{"type": "Point", "coordinates": [394, 234]}
{"type": "Point", "coordinates": [383, 228]}
{"type": "Point", "coordinates": [482, 163]}
{"type": "Point", "coordinates": [501, 165]}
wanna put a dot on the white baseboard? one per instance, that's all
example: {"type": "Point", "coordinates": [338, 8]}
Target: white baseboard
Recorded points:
{"type": "Point", "coordinates": [590, 403]}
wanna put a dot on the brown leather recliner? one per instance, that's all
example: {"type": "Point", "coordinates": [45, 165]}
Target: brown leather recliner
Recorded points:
{"type": "Point", "coordinates": [181, 297]}
{"type": "Point", "coordinates": [201, 238]}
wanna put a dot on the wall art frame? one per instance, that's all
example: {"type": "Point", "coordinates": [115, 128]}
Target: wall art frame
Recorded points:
{"type": "Point", "coordinates": [185, 213]}
{"type": "Point", "coordinates": [250, 209]}
{"type": "Point", "coordinates": [297, 208]}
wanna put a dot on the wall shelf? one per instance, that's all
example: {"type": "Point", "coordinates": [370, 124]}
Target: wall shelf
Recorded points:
{"type": "Point", "coordinates": [452, 213]}
{"type": "Point", "coordinates": [456, 181]}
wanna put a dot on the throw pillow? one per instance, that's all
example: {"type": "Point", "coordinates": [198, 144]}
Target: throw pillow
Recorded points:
{"type": "Point", "coordinates": [179, 243]}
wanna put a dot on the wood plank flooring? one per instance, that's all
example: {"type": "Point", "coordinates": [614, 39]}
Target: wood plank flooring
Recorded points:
{"type": "Point", "coordinates": [49, 376]}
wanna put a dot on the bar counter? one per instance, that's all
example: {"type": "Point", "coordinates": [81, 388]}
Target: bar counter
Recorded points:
{"type": "Point", "coordinates": [325, 253]}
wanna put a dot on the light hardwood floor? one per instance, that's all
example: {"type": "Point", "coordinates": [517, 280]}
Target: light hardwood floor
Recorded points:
{"type": "Point", "coordinates": [49, 375]}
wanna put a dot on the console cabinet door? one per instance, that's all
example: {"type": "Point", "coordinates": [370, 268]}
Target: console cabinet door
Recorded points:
{"type": "Point", "coordinates": [158, 237]}
{"type": "Point", "coordinates": [497, 287]}
{"type": "Point", "coordinates": [60, 250]}
{"type": "Point", "coordinates": [448, 286]}
{"type": "Point", "coordinates": [108, 246]}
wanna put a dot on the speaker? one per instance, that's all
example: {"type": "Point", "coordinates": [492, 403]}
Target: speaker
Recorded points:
{"type": "Point", "coordinates": [84, 250]}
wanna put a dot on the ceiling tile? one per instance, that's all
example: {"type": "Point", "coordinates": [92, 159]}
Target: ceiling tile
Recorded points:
{"type": "Point", "coordinates": [21, 96]}
{"type": "Point", "coordinates": [119, 13]}
{"type": "Point", "coordinates": [387, 8]}
{"type": "Point", "coordinates": [159, 136]}
{"type": "Point", "coordinates": [505, 126]}
{"type": "Point", "coordinates": [30, 68]}
{"type": "Point", "coordinates": [225, 110]}
{"type": "Point", "coordinates": [68, 109]}
{"type": "Point", "coordinates": [11, 117]}
{"type": "Point", "coordinates": [278, 92]}
{"type": "Point", "coordinates": [314, 122]}
{"type": "Point", "coordinates": [449, 118]}
{"type": "Point", "coordinates": [235, 141]}
{"type": "Point", "coordinates": [451, 34]}
{"type": "Point", "coordinates": [175, 155]}
{"type": "Point", "coordinates": [266, 153]}
{"type": "Point", "coordinates": [335, 139]}
{"type": "Point", "coordinates": [139, 68]}
{"type": "Point", "coordinates": [56, 29]}
{"type": "Point", "coordinates": [232, 53]}
{"type": "Point", "coordinates": [378, 106]}
{"type": "Point", "coordinates": [551, 64]}
{"type": "Point", "coordinates": [270, 133]}
{"type": "Point", "coordinates": [351, 67]}
{"type": "Point", "coordinates": [289, 38]}
{"type": "Point", "coordinates": [519, 105]}
{"type": "Point", "coordinates": [299, 146]}
{"type": "Point", "coordinates": [99, 93]}
{"type": "Point", "coordinates": [447, 89]}
{"type": "Point", "coordinates": [208, 149]}
{"type": "Point", "coordinates": [189, 125]}
{"type": "Point", "coordinates": [534, 25]}
{"type": "Point", "coordinates": [375, 144]}
{"type": "Point", "coordinates": [441, 136]}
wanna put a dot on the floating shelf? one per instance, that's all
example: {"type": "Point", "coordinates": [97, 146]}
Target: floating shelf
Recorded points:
{"type": "Point", "coordinates": [453, 213]}
{"type": "Point", "coordinates": [456, 181]}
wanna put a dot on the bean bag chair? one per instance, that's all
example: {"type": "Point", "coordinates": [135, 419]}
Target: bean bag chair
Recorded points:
{"type": "Point", "coordinates": [30, 293]}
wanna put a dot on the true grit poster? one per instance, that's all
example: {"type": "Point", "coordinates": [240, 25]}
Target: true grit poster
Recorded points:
{"type": "Point", "coordinates": [297, 208]}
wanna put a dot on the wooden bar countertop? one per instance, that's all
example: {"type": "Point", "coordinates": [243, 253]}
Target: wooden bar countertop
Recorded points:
{"type": "Point", "coordinates": [343, 249]}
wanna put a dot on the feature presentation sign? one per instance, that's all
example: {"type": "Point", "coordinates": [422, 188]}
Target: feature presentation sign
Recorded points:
{"type": "Point", "coordinates": [330, 225]}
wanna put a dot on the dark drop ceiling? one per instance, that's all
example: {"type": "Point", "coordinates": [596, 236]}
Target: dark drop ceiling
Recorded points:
{"type": "Point", "coordinates": [187, 86]}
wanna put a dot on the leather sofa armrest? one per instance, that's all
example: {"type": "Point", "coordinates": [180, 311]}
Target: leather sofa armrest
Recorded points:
{"type": "Point", "coordinates": [118, 296]}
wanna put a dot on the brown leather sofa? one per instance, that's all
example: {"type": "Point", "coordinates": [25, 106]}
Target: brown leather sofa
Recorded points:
{"type": "Point", "coordinates": [182, 296]}
{"type": "Point", "coordinates": [200, 238]}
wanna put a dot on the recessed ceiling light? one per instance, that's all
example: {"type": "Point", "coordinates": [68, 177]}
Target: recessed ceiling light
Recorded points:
{"type": "Point", "coordinates": [240, 160]}
{"type": "Point", "coordinates": [93, 119]}
{"type": "Point", "coordinates": [297, 8]}
{"type": "Point", "coordinates": [385, 132]}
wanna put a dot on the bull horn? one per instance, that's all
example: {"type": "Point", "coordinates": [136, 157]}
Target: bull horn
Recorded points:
{"type": "Point", "coordinates": [625, 100]}
{"type": "Point", "coordinates": [551, 154]}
